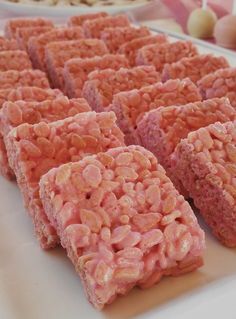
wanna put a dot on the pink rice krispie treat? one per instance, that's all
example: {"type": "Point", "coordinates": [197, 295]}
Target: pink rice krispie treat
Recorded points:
{"type": "Point", "coordinates": [14, 60]}
{"type": "Point", "coordinates": [76, 70]}
{"type": "Point", "coordinates": [80, 19]}
{"type": "Point", "coordinates": [103, 84]}
{"type": "Point", "coordinates": [205, 162]}
{"type": "Point", "coordinates": [15, 113]}
{"type": "Point", "coordinates": [26, 94]}
{"type": "Point", "coordinates": [162, 129]}
{"type": "Point", "coordinates": [93, 28]}
{"type": "Point", "coordinates": [36, 45]}
{"type": "Point", "coordinates": [12, 79]}
{"type": "Point", "coordinates": [159, 55]}
{"type": "Point", "coordinates": [121, 221]}
{"type": "Point", "coordinates": [6, 44]}
{"type": "Point", "coordinates": [57, 53]}
{"type": "Point", "coordinates": [13, 24]}
{"type": "Point", "coordinates": [219, 83]}
{"type": "Point", "coordinates": [131, 48]}
{"type": "Point", "coordinates": [194, 68]}
{"type": "Point", "coordinates": [23, 35]}
{"type": "Point", "coordinates": [130, 106]}
{"type": "Point", "coordinates": [115, 37]}
{"type": "Point", "coordinates": [34, 149]}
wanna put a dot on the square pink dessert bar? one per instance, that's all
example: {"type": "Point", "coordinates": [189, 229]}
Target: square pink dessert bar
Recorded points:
{"type": "Point", "coordinates": [23, 35]}
{"type": "Point", "coordinates": [131, 48]}
{"type": "Point", "coordinates": [80, 19]}
{"type": "Point", "coordinates": [205, 162]}
{"type": "Point", "coordinates": [12, 79]}
{"type": "Point", "coordinates": [25, 94]}
{"type": "Point", "coordinates": [193, 68]}
{"type": "Point", "coordinates": [76, 70]}
{"type": "Point", "coordinates": [34, 149]}
{"type": "Point", "coordinates": [220, 83]}
{"type": "Point", "coordinates": [15, 113]}
{"type": "Point", "coordinates": [14, 60]}
{"type": "Point", "coordinates": [57, 53]}
{"type": "Point", "coordinates": [121, 221]}
{"type": "Point", "coordinates": [162, 129]}
{"type": "Point", "coordinates": [8, 44]}
{"type": "Point", "coordinates": [13, 25]}
{"type": "Point", "coordinates": [94, 27]}
{"type": "Point", "coordinates": [115, 37]}
{"type": "Point", "coordinates": [103, 84]}
{"type": "Point", "coordinates": [37, 44]}
{"type": "Point", "coordinates": [159, 55]}
{"type": "Point", "coordinates": [130, 106]}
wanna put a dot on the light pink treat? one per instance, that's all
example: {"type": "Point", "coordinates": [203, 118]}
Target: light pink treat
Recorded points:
{"type": "Point", "coordinates": [130, 106]}
{"type": "Point", "coordinates": [34, 149]}
{"type": "Point", "coordinates": [194, 68]}
{"type": "Point", "coordinates": [14, 60]}
{"type": "Point", "coordinates": [219, 83]}
{"type": "Point", "coordinates": [13, 24]}
{"type": "Point", "coordinates": [15, 113]}
{"type": "Point", "coordinates": [161, 130]}
{"type": "Point", "coordinates": [131, 48]}
{"type": "Point", "coordinates": [23, 35]}
{"type": "Point", "coordinates": [103, 84]}
{"type": "Point", "coordinates": [205, 162]}
{"type": "Point", "coordinates": [6, 44]}
{"type": "Point", "coordinates": [121, 221]}
{"type": "Point", "coordinates": [12, 79]}
{"type": "Point", "coordinates": [93, 28]}
{"type": "Point", "coordinates": [36, 45]}
{"type": "Point", "coordinates": [159, 55]}
{"type": "Point", "coordinates": [80, 19]}
{"type": "Point", "coordinates": [76, 70]}
{"type": "Point", "coordinates": [26, 94]}
{"type": "Point", "coordinates": [57, 53]}
{"type": "Point", "coordinates": [115, 37]}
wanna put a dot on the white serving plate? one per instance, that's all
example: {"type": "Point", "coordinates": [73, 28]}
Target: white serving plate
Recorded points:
{"type": "Point", "coordinates": [35, 284]}
{"type": "Point", "coordinates": [62, 11]}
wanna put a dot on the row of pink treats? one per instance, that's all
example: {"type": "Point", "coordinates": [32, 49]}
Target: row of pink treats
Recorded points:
{"type": "Point", "coordinates": [123, 219]}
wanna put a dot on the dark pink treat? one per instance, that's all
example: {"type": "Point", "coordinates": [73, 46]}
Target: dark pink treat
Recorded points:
{"type": "Point", "coordinates": [6, 44]}
{"type": "Point", "coordinates": [57, 53]}
{"type": "Point", "coordinates": [131, 48]}
{"type": "Point", "coordinates": [159, 55]}
{"type": "Point", "coordinates": [14, 60]}
{"type": "Point", "coordinates": [80, 19]}
{"type": "Point", "coordinates": [34, 149]}
{"type": "Point", "coordinates": [36, 45]}
{"type": "Point", "coordinates": [162, 129]}
{"type": "Point", "coordinates": [13, 24]}
{"type": "Point", "coordinates": [23, 35]}
{"type": "Point", "coordinates": [12, 79]}
{"type": "Point", "coordinates": [205, 162]}
{"type": "Point", "coordinates": [93, 28]}
{"type": "Point", "coordinates": [115, 37]}
{"type": "Point", "coordinates": [25, 94]}
{"type": "Point", "coordinates": [76, 70]}
{"type": "Point", "coordinates": [103, 84]}
{"type": "Point", "coordinates": [121, 221]}
{"type": "Point", "coordinates": [194, 68]}
{"type": "Point", "coordinates": [130, 106]}
{"type": "Point", "coordinates": [218, 84]}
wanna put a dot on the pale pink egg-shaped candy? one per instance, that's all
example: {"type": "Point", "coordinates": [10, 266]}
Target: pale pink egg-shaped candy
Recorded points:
{"type": "Point", "coordinates": [225, 32]}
